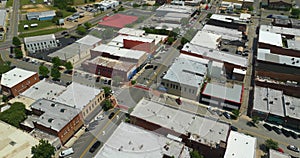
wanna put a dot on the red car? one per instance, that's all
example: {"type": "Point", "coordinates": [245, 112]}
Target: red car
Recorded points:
{"type": "Point", "coordinates": [280, 150]}
{"type": "Point", "coordinates": [178, 101]}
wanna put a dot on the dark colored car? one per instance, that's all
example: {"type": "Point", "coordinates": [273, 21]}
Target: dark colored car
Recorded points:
{"type": "Point", "coordinates": [149, 67]}
{"type": "Point", "coordinates": [286, 132]}
{"type": "Point", "coordinates": [111, 115]}
{"type": "Point", "coordinates": [178, 101]}
{"type": "Point", "coordinates": [233, 128]}
{"type": "Point", "coordinates": [95, 146]}
{"type": "Point", "coordinates": [98, 79]}
{"type": "Point", "coordinates": [277, 130]}
{"type": "Point", "coordinates": [294, 135]}
{"type": "Point", "coordinates": [227, 115]}
{"type": "Point", "coordinates": [155, 67]}
{"type": "Point", "coordinates": [268, 127]}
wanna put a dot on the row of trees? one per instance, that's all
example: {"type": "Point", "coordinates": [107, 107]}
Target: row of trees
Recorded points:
{"type": "Point", "coordinates": [14, 115]}
{"type": "Point", "coordinates": [55, 73]}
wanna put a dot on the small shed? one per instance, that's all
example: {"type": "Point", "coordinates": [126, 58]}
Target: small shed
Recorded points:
{"type": "Point", "coordinates": [61, 22]}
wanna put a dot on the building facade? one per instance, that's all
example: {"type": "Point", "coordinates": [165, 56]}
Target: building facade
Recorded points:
{"type": "Point", "coordinates": [17, 81]}
{"type": "Point", "coordinates": [35, 44]}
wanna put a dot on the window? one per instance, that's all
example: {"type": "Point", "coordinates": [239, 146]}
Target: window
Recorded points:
{"type": "Point", "coordinates": [185, 89]}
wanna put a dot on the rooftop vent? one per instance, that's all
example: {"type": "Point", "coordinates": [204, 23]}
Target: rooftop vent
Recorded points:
{"type": "Point", "coordinates": [265, 99]}
{"type": "Point", "coordinates": [271, 102]}
{"type": "Point", "coordinates": [53, 105]}
{"type": "Point", "coordinates": [12, 143]}
{"type": "Point", "coordinates": [62, 110]}
{"type": "Point", "coordinates": [287, 103]}
{"type": "Point", "coordinates": [50, 120]}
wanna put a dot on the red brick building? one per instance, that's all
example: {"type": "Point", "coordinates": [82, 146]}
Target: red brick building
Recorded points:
{"type": "Point", "coordinates": [140, 43]}
{"type": "Point", "coordinates": [17, 81]}
{"type": "Point", "coordinates": [57, 119]}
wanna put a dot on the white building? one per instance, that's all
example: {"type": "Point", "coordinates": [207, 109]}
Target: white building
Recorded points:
{"type": "Point", "coordinates": [240, 146]}
{"type": "Point", "coordinates": [78, 50]}
{"type": "Point", "coordinates": [185, 77]}
{"type": "Point", "coordinates": [38, 43]}
{"type": "Point", "coordinates": [206, 39]}
{"type": "Point", "coordinates": [128, 141]}
{"type": "Point", "coordinates": [107, 4]}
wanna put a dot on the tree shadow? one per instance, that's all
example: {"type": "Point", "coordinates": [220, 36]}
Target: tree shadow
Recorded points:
{"type": "Point", "coordinates": [263, 148]}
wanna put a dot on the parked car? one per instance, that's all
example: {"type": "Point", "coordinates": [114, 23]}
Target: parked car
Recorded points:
{"type": "Point", "coordinates": [66, 152]}
{"type": "Point", "coordinates": [233, 128]}
{"type": "Point", "coordinates": [268, 127]}
{"type": "Point", "coordinates": [99, 117]}
{"type": "Point", "coordinates": [277, 130]}
{"type": "Point", "coordinates": [227, 115]}
{"type": "Point", "coordinates": [111, 115]}
{"type": "Point", "coordinates": [95, 146]}
{"type": "Point", "coordinates": [98, 79]}
{"type": "Point", "coordinates": [286, 132]}
{"type": "Point", "coordinates": [178, 101]}
{"type": "Point", "coordinates": [294, 135]}
{"type": "Point", "coordinates": [149, 67]}
{"type": "Point", "coordinates": [293, 148]}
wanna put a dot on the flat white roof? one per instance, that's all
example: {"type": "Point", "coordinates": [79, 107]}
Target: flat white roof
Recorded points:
{"type": "Point", "coordinates": [226, 33]}
{"type": "Point", "coordinates": [112, 63]}
{"type": "Point", "coordinates": [39, 38]}
{"type": "Point", "coordinates": [270, 38]}
{"type": "Point", "coordinates": [239, 71]}
{"type": "Point", "coordinates": [156, 37]}
{"type": "Point", "coordinates": [176, 8]}
{"type": "Point", "coordinates": [2, 17]}
{"type": "Point", "coordinates": [186, 72]}
{"type": "Point", "coordinates": [44, 89]}
{"type": "Point", "coordinates": [204, 130]}
{"type": "Point", "coordinates": [121, 52]}
{"type": "Point", "coordinates": [280, 30]}
{"type": "Point", "coordinates": [268, 101]}
{"type": "Point", "coordinates": [230, 93]}
{"type": "Point", "coordinates": [78, 95]}
{"type": "Point", "coordinates": [206, 39]}
{"type": "Point", "coordinates": [292, 106]}
{"type": "Point", "coordinates": [245, 16]}
{"type": "Point", "coordinates": [15, 76]}
{"type": "Point", "coordinates": [131, 31]}
{"type": "Point", "coordinates": [225, 18]}
{"type": "Point", "coordinates": [89, 40]}
{"type": "Point", "coordinates": [192, 58]}
{"type": "Point", "coordinates": [240, 146]}
{"type": "Point", "coordinates": [15, 142]}
{"type": "Point", "coordinates": [128, 141]}
{"type": "Point", "coordinates": [215, 55]}
{"type": "Point", "coordinates": [265, 55]}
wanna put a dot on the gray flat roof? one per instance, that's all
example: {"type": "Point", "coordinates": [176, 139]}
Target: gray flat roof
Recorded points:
{"type": "Point", "coordinates": [39, 38]}
{"type": "Point", "coordinates": [215, 55]}
{"type": "Point", "coordinates": [70, 51]}
{"type": "Point", "coordinates": [204, 130]}
{"type": "Point", "coordinates": [206, 39]}
{"type": "Point", "coordinates": [292, 106]}
{"type": "Point", "coordinates": [266, 55]}
{"type": "Point", "coordinates": [56, 115]}
{"type": "Point", "coordinates": [131, 31]}
{"type": "Point", "coordinates": [226, 33]}
{"type": "Point", "coordinates": [187, 72]}
{"type": "Point", "coordinates": [176, 8]}
{"type": "Point", "coordinates": [89, 40]}
{"type": "Point", "coordinates": [280, 30]}
{"type": "Point", "coordinates": [129, 141]}
{"type": "Point", "coordinates": [2, 17]}
{"type": "Point", "coordinates": [78, 95]}
{"type": "Point", "coordinates": [293, 44]}
{"type": "Point", "coordinates": [111, 63]}
{"type": "Point", "coordinates": [229, 93]}
{"type": "Point", "coordinates": [44, 90]}
{"type": "Point", "coordinates": [268, 100]}
{"type": "Point", "coordinates": [121, 52]}
{"type": "Point", "coordinates": [42, 14]}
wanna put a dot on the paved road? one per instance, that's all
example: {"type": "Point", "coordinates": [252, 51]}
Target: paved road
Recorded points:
{"type": "Point", "coordinates": [99, 130]}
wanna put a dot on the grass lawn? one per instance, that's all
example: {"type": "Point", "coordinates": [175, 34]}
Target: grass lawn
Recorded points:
{"type": "Point", "coordinates": [41, 24]}
{"type": "Point", "coordinates": [9, 3]}
{"type": "Point", "coordinates": [3, 66]}
{"type": "Point", "coordinates": [25, 2]}
{"type": "Point", "coordinates": [41, 32]}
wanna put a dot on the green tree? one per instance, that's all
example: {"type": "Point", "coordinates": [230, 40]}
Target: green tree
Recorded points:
{"type": "Point", "coordinates": [133, 82]}
{"type": "Point", "coordinates": [59, 14]}
{"type": "Point", "coordinates": [4, 98]}
{"type": "Point", "coordinates": [56, 62]}
{"type": "Point", "coordinates": [236, 113]}
{"type": "Point", "coordinates": [135, 5]}
{"type": "Point", "coordinates": [16, 41]}
{"type": "Point", "coordinates": [69, 66]}
{"type": "Point", "coordinates": [107, 90]}
{"type": "Point", "coordinates": [195, 154]}
{"type": "Point", "coordinates": [255, 119]}
{"type": "Point", "coordinates": [170, 40]}
{"type": "Point", "coordinates": [295, 12]}
{"type": "Point", "coordinates": [107, 105]}
{"type": "Point", "coordinates": [183, 41]}
{"type": "Point", "coordinates": [14, 115]}
{"type": "Point", "coordinates": [121, 9]}
{"type": "Point", "coordinates": [87, 25]}
{"type": "Point", "coordinates": [81, 30]}
{"type": "Point", "coordinates": [18, 53]}
{"type": "Point", "coordinates": [271, 144]}
{"type": "Point", "coordinates": [55, 73]}
{"type": "Point", "coordinates": [43, 71]}
{"type": "Point", "coordinates": [250, 8]}
{"type": "Point", "coordinates": [43, 150]}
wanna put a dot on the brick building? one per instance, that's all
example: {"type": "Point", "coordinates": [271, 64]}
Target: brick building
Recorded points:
{"type": "Point", "coordinates": [207, 136]}
{"type": "Point", "coordinates": [57, 119]}
{"type": "Point", "coordinates": [17, 81]}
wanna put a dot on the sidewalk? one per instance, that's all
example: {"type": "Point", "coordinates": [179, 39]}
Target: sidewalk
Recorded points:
{"type": "Point", "coordinates": [75, 137]}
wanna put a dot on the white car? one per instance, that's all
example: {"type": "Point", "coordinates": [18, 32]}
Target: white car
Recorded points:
{"type": "Point", "coordinates": [99, 117]}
